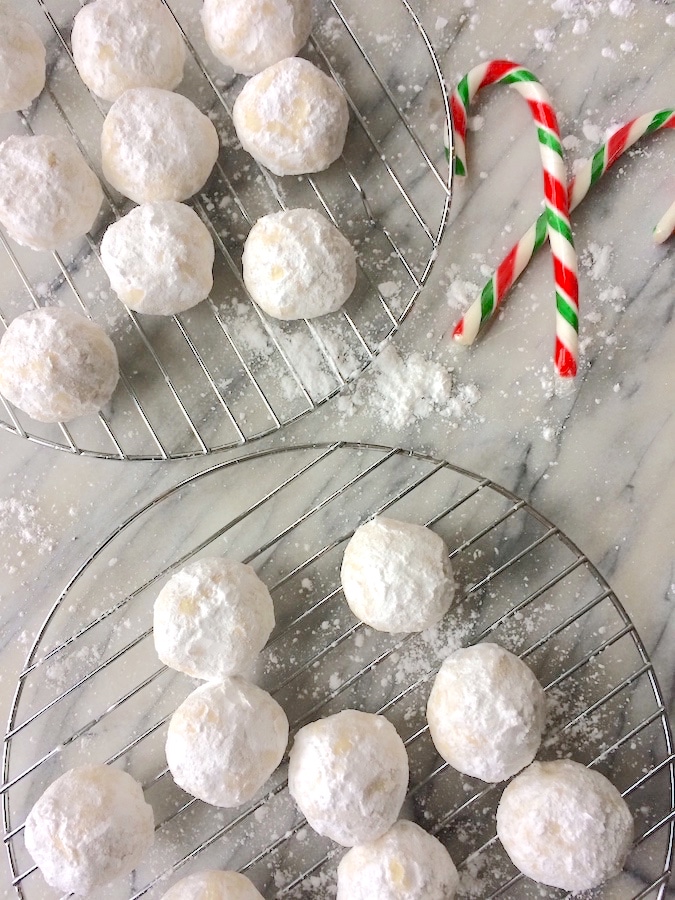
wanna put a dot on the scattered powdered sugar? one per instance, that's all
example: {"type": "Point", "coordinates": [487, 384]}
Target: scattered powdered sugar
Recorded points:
{"type": "Point", "coordinates": [401, 391]}
{"type": "Point", "coordinates": [596, 260]}
{"type": "Point", "coordinates": [544, 38]}
{"type": "Point", "coordinates": [621, 8]}
{"type": "Point", "coordinates": [23, 526]}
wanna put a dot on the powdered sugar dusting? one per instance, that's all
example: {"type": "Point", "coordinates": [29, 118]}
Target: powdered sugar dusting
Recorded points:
{"type": "Point", "coordinates": [405, 390]}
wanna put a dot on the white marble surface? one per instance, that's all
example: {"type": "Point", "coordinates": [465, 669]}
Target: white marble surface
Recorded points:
{"type": "Point", "coordinates": [597, 461]}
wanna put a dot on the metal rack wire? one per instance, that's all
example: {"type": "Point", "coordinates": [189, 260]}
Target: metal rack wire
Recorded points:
{"type": "Point", "coordinates": [93, 690]}
{"type": "Point", "coordinates": [224, 373]}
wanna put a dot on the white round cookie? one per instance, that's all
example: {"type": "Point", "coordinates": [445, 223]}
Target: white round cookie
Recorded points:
{"type": "Point", "coordinates": [396, 576]}
{"type": "Point", "coordinates": [406, 863]}
{"type": "Point", "coordinates": [156, 145]}
{"type": "Point", "coordinates": [225, 740]}
{"type": "Point", "coordinates": [292, 118]}
{"type": "Point", "coordinates": [486, 712]}
{"type": "Point", "coordinates": [57, 365]}
{"type": "Point", "coordinates": [48, 194]}
{"type": "Point", "coordinates": [348, 774]}
{"type": "Point", "coordinates": [122, 44]}
{"type": "Point", "coordinates": [22, 64]}
{"type": "Point", "coordinates": [90, 826]}
{"type": "Point", "coordinates": [250, 35]}
{"type": "Point", "coordinates": [213, 885]}
{"type": "Point", "coordinates": [297, 265]}
{"type": "Point", "coordinates": [212, 619]}
{"type": "Point", "coordinates": [159, 258]}
{"type": "Point", "coordinates": [565, 825]}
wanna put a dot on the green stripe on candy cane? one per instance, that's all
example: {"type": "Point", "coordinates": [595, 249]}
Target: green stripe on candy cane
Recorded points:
{"type": "Point", "coordinates": [520, 254]}
{"type": "Point", "coordinates": [556, 196]}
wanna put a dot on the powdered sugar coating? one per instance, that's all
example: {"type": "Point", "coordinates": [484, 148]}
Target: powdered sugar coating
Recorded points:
{"type": "Point", "coordinates": [159, 258]}
{"type": "Point", "coordinates": [348, 774]}
{"type": "Point", "coordinates": [22, 64]}
{"type": "Point", "coordinates": [406, 863]}
{"type": "Point", "coordinates": [122, 44]}
{"type": "Point", "coordinates": [57, 365]}
{"type": "Point", "coordinates": [156, 145]}
{"type": "Point", "coordinates": [396, 576]}
{"type": "Point", "coordinates": [90, 826]}
{"type": "Point", "coordinates": [212, 618]}
{"type": "Point", "coordinates": [225, 740]}
{"type": "Point", "coordinates": [292, 118]}
{"type": "Point", "coordinates": [213, 885]}
{"type": "Point", "coordinates": [486, 712]}
{"type": "Point", "coordinates": [565, 825]}
{"type": "Point", "coordinates": [250, 35]}
{"type": "Point", "coordinates": [48, 193]}
{"type": "Point", "coordinates": [297, 265]}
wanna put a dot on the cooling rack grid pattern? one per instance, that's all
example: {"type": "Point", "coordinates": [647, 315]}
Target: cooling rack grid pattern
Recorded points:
{"type": "Point", "coordinates": [93, 689]}
{"type": "Point", "coordinates": [223, 373]}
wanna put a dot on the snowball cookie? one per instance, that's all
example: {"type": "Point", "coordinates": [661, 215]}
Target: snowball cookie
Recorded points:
{"type": "Point", "coordinates": [90, 826]}
{"type": "Point", "coordinates": [486, 712]}
{"type": "Point", "coordinates": [406, 863]}
{"type": "Point", "coordinates": [297, 265]}
{"type": "Point", "coordinates": [225, 740]}
{"type": "Point", "coordinates": [348, 774]}
{"type": "Point", "coordinates": [159, 258]}
{"type": "Point", "coordinates": [57, 365]}
{"type": "Point", "coordinates": [565, 825]}
{"type": "Point", "coordinates": [212, 619]}
{"type": "Point", "coordinates": [122, 44]}
{"type": "Point", "coordinates": [156, 145]}
{"type": "Point", "coordinates": [22, 64]}
{"type": "Point", "coordinates": [250, 35]}
{"type": "Point", "coordinates": [48, 194]}
{"type": "Point", "coordinates": [396, 576]}
{"type": "Point", "coordinates": [292, 118]}
{"type": "Point", "coordinates": [213, 885]}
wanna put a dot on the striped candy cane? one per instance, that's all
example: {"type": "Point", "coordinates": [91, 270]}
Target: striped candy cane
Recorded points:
{"type": "Point", "coordinates": [555, 191]}
{"type": "Point", "coordinates": [513, 265]}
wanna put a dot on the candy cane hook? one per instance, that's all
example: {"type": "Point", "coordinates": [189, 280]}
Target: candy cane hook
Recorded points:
{"type": "Point", "coordinates": [555, 193]}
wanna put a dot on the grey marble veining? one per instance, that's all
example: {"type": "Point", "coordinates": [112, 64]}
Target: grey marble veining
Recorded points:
{"type": "Point", "coordinates": [597, 461]}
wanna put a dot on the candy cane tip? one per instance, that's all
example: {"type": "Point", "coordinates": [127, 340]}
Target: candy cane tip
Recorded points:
{"type": "Point", "coordinates": [665, 227]}
{"type": "Point", "coordinates": [462, 337]}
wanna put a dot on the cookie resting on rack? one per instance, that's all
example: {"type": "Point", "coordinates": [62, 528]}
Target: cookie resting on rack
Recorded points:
{"type": "Point", "coordinates": [348, 774]}
{"type": "Point", "coordinates": [297, 265]}
{"type": "Point", "coordinates": [156, 145]}
{"type": "Point", "coordinates": [90, 826]}
{"type": "Point", "coordinates": [56, 365]}
{"type": "Point", "coordinates": [122, 44]}
{"type": "Point", "coordinates": [292, 118]}
{"type": "Point", "coordinates": [213, 885]}
{"type": "Point", "coordinates": [565, 825]}
{"type": "Point", "coordinates": [212, 619]}
{"type": "Point", "coordinates": [486, 712]}
{"type": "Point", "coordinates": [159, 258]}
{"type": "Point", "coordinates": [396, 576]}
{"type": "Point", "coordinates": [225, 740]}
{"type": "Point", "coordinates": [48, 193]}
{"type": "Point", "coordinates": [22, 64]}
{"type": "Point", "coordinates": [406, 863]}
{"type": "Point", "coordinates": [250, 35]}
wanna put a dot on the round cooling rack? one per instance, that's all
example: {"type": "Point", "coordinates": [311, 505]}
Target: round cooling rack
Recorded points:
{"type": "Point", "coordinates": [93, 689]}
{"type": "Point", "coordinates": [224, 373]}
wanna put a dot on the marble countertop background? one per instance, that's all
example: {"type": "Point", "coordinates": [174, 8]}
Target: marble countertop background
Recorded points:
{"type": "Point", "coordinates": [597, 461]}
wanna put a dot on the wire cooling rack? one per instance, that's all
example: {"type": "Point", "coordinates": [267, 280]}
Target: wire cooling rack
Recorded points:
{"type": "Point", "coordinates": [223, 373]}
{"type": "Point", "coordinates": [93, 689]}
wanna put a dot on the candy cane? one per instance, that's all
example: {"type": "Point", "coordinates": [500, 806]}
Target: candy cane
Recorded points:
{"type": "Point", "coordinates": [555, 192]}
{"type": "Point", "coordinates": [513, 265]}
